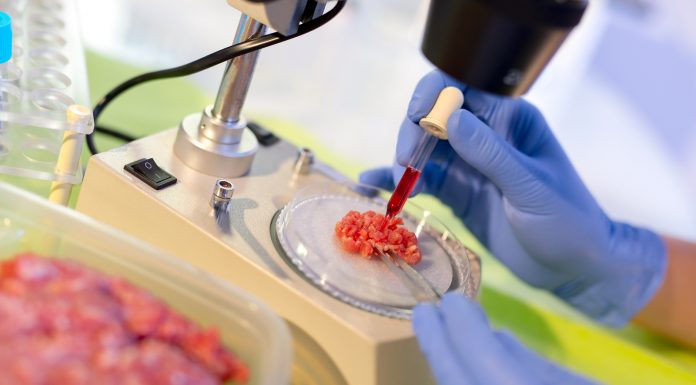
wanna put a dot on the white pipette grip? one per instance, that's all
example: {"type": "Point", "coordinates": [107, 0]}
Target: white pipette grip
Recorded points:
{"type": "Point", "coordinates": [450, 100]}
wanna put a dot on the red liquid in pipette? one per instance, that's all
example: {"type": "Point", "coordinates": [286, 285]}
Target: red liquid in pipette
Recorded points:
{"type": "Point", "coordinates": [402, 191]}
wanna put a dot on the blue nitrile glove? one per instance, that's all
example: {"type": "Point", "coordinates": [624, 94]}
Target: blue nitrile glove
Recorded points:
{"type": "Point", "coordinates": [462, 349]}
{"type": "Point", "coordinates": [506, 176]}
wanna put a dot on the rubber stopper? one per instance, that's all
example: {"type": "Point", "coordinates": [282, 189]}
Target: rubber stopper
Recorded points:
{"type": "Point", "coordinates": [5, 37]}
{"type": "Point", "coordinates": [450, 100]}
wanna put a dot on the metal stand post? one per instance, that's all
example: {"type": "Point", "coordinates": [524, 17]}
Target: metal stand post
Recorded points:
{"type": "Point", "coordinates": [217, 141]}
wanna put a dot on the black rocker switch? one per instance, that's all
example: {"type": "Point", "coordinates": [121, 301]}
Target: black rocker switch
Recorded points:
{"type": "Point", "coordinates": [149, 172]}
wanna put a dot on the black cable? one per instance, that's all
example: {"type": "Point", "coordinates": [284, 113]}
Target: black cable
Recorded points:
{"type": "Point", "coordinates": [115, 133]}
{"type": "Point", "coordinates": [206, 62]}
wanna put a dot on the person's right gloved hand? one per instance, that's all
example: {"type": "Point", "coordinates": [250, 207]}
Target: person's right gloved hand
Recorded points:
{"type": "Point", "coordinates": [462, 349]}
{"type": "Point", "coordinates": [506, 176]}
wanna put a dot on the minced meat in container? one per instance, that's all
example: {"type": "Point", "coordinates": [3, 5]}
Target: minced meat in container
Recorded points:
{"type": "Point", "coordinates": [30, 224]}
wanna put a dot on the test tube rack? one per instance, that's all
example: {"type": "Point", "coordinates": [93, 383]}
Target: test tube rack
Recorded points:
{"type": "Point", "coordinates": [41, 136]}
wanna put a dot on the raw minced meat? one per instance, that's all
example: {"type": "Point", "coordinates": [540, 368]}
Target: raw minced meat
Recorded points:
{"type": "Point", "coordinates": [62, 323]}
{"type": "Point", "coordinates": [367, 233]}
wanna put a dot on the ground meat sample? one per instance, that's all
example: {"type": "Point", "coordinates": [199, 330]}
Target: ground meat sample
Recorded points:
{"type": "Point", "coordinates": [64, 324]}
{"type": "Point", "coordinates": [366, 233]}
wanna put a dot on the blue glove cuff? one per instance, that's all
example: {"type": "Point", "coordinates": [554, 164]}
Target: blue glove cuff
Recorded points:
{"type": "Point", "coordinates": [636, 270]}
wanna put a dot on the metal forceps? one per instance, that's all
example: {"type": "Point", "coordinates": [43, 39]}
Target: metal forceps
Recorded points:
{"type": "Point", "coordinates": [422, 290]}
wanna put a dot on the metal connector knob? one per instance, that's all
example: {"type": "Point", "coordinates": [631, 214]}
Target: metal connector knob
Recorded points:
{"type": "Point", "coordinates": [222, 194]}
{"type": "Point", "coordinates": [304, 161]}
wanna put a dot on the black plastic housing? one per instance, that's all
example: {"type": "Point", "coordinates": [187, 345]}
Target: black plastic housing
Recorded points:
{"type": "Point", "coordinates": [499, 46]}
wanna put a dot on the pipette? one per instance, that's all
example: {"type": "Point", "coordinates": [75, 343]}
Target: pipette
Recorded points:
{"type": "Point", "coordinates": [434, 127]}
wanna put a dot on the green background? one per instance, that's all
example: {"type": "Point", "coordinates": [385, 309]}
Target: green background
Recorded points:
{"type": "Point", "coordinates": [630, 356]}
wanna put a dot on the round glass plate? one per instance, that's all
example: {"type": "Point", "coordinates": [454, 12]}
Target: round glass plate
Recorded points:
{"type": "Point", "coordinates": [305, 234]}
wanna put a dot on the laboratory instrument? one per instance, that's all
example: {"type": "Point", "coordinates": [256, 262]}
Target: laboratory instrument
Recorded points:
{"type": "Point", "coordinates": [498, 46]}
{"type": "Point", "coordinates": [43, 95]}
{"type": "Point", "coordinates": [336, 342]}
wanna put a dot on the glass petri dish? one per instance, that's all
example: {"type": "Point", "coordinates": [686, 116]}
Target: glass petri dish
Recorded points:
{"type": "Point", "coordinates": [304, 234]}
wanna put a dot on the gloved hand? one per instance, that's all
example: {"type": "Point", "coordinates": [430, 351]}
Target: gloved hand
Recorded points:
{"type": "Point", "coordinates": [462, 349]}
{"type": "Point", "coordinates": [506, 176]}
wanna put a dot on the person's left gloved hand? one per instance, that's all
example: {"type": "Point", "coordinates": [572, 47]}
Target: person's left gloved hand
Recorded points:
{"type": "Point", "coordinates": [462, 349]}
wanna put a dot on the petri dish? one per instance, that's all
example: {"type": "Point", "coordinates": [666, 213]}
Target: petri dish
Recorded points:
{"type": "Point", "coordinates": [304, 234]}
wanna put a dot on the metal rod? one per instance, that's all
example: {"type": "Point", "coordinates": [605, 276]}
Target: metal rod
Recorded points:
{"type": "Point", "coordinates": [235, 82]}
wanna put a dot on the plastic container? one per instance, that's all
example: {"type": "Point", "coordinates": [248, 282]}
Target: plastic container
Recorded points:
{"type": "Point", "coordinates": [46, 75]}
{"type": "Point", "coordinates": [31, 224]}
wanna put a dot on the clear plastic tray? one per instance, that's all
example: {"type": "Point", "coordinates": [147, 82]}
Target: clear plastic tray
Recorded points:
{"type": "Point", "coordinates": [46, 75]}
{"type": "Point", "coordinates": [31, 224]}
{"type": "Point", "coordinates": [305, 233]}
